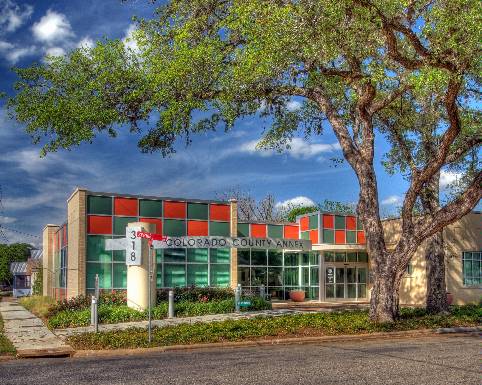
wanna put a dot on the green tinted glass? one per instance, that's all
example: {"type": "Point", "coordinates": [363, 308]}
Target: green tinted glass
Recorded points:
{"type": "Point", "coordinates": [362, 257]}
{"type": "Point", "coordinates": [291, 276]}
{"type": "Point", "coordinates": [120, 275]}
{"type": "Point", "coordinates": [219, 229]}
{"type": "Point", "coordinates": [197, 275]}
{"type": "Point", "coordinates": [275, 231]}
{"type": "Point", "coordinates": [339, 222]}
{"type": "Point", "coordinates": [315, 276]}
{"type": "Point", "coordinates": [258, 257]}
{"type": "Point", "coordinates": [305, 235]}
{"type": "Point", "coordinates": [351, 237]}
{"type": "Point", "coordinates": [119, 255]}
{"type": "Point", "coordinates": [329, 256]}
{"type": "Point", "coordinates": [275, 258]}
{"type": "Point", "coordinates": [340, 257]}
{"type": "Point", "coordinates": [351, 257]}
{"type": "Point", "coordinates": [174, 275]}
{"type": "Point", "coordinates": [328, 236]}
{"type": "Point", "coordinates": [314, 258]}
{"type": "Point", "coordinates": [159, 255]}
{"type": "Point", "coordinates": [313, 222]}
{"type": "Point", "coordinates": [243, 257]}
{"type": "Point", "coordinates": [197, 255]}
{"type": "Point", "coordinates": [197, 211]}
{"type": "Point", "coordinates": [120, 224]}
{"type": "Point", "coordinates": [220, 275]}
{"type": "Point", "coordinates": [96, 249]}
{"type": "Point", "coordinates": [174, 228]}
{"type": "Point", "coordinates": [149, 208]}
{"type": "Point", "coordinates": [174, 255]}
{"type": "Point", "coordinates": [99, 205]}
{"type": "Point", "coordinates": [220, 255]}
{"type": "Point", "coordinates": [291, 259]}
{"type": "Point", "coordinates": [159, 276]}
{"type": "Point", "coordinates": [243, 230]}
{"type": "Point", "coordinates": [104, 270]}
{"type": "Point", "coordinates": [275, 276]}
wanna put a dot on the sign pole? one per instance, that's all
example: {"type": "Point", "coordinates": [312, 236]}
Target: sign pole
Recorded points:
{"type": "Point", "coordinates": [150, 286]}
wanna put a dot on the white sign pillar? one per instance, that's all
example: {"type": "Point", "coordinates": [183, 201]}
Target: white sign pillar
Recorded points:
{"type": "Point", "coordinates": [137, 260]}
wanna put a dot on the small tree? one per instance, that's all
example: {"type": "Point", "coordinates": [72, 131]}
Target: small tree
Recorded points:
{"type": "Point", "coordinates": [348, 60]}
{"type": "Point", "coordinates": [15, 252]}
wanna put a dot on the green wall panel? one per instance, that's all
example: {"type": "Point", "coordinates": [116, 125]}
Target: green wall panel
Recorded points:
{"type": "Point", "coordinates": [174, 228]}
{"type": "Point", "coordinates": [305, 235]}
{"type": "Point", "coordinates": [275, 231]}
{"type": "Point", "coordinates": [350, 236]}
{"type": "Point", "coordinates": [120, 224]}
{"type": "Point", "coordinates": [328, 236]}
{"type": "Point", "coordinates": [150, 208]}
{"type": "Point", "coordinates": [339, 222]}
{"type": "Point", "coordinates": [243, 229]}
{"type": "Point", "coordinates": [220, 229]}
{"type": "Point", "coordinates": [313, 221]}
{"type": "Point", "coordinates": [197, 211]}
{"type": "Point", "coordinates": [99, 205]}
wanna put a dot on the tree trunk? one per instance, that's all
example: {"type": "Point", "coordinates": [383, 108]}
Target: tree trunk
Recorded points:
{"type": "Point", "coordinates": [436, 301]}
{"type": "Point", "coordinates": [384, 302]}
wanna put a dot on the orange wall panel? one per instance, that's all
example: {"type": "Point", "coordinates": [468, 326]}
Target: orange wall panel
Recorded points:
{"type": "Point", "coordinates": [258, 230]}
{"type": "Point", "coordinates": [328, 221]}
{"type": "Point", "coordinates": [304, 223]}
{"type": "Point", "coordinates": [361, 237]}
{"type": "Point", "coordinates": [340, 237]}
{"type": "Point", "coordinates": [351, 223]}
{"type": "Point", "coordinates": [157, 222]}
{"type": "Point", "coordinates": [197, 228]}
{"type": "Point", "coordinates": [174, 209]}
{"type": "Point", "coordinates": [99, 225]}
{"type": "Point", "coordinates": [314, 236]}
{"type": "Point", "coordinates": [291, 232]}
{"type": "Point", "coordinates": [219, 212]}
{"type": "Point", "coordinates": [125, 206]}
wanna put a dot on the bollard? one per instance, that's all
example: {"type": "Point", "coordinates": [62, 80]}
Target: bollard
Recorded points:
{"type": "Point", "coordinates": [262, 292]}
{"type": "Point", "coordinates": [237, 298]}
{"type": "Point", "coordinates": [93, 314]}
{"type": "Point", "coordinates": [171, 304]}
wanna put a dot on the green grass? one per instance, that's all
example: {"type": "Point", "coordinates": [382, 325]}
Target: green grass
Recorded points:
{"type": "Point", "coordinates": [109, 314]}
{"type": "Point", "coordinates": [310, 324]}
{"type": "Point", "coordinates": [37, 304]}
{"type": "Point", "coordinates": [6, 347]}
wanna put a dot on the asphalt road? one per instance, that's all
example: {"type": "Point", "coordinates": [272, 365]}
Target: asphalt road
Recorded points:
{"type": "Point", "coordinates": [434, 360]}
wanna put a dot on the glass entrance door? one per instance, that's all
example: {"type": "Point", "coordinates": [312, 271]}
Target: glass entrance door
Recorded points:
{"type": "Point", "coordinates": [345, 282]}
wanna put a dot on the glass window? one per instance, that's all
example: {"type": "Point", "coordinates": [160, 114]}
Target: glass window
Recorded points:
{"type": "Point", "coordinates": [351, 237]}
{"type": "Point", "coordinates": [340, 257]}
{"type": "Point", "coordinates": [197, 274]}
{"type": "Point", "coordinates": [275, 276]}
{"type": "Point", "coordinates": [305, 258]}
{"type": "Point", "coordinates": [197, 211]}
{"type": "Point", "coordinates": [258, 276]}
{"type": "Point", "coordinates": [339, 222]}
{"type": "Point", "coordinates": [243, 257]}
{"type": "Point", "coordinates": [119, 256]}
{"type": "Point", "coordinates": [472, 268]}
{"type": "Point", "coordinates": [305, 235]}
{"type": "Point", "coordinates": [120, 275]}
{"type": "Point", "coordinates": [220, 275]}
{"type": "Point", "coordinates": [362, 257]}
{"type": "Point", "coordinates": [291, 259]}
{"type": "Point", "coordinates": [219, 229]}
{"type": "Point", "coordinates": [329, 256]}
{"type": "Point", "coordinates": [159, 275]}
{"type": "Point", "coordinates": [174, 255]}
{"type": "Point", "coordinates": [314, 258]}
{"type": "Point", "coordinates": [275, 258]}
{"type": "Point", "coordinates": [313, 222]}
{"type": "Point", "coordinates": [243, 230]}
{"type": "Point", "coordinates": [328, 236]}
{"type": "Point", "coordinates": [104, 270]}
{"type": "Point", "coordinates": [315, 276]}
{"type": "Point", "coordinates": [174, 227]}
{"type": "Point", "coordinates": [305, 276]}
{"type": "Point", "coordinates": [362, 275]}
{"type": "Point", "coordinates": [150, 208]}
{"type": "Point", "coordinates": [220, 255]}
{"type": "Point", "coordinates": [291, 276]}
{"type": "Point", "coordinates": [275, 231]}
{"type": "Point", "coordinates": [174, 275]}
{"type": "Point", "coordinates": [99, 205]}
{"type": "Point", "coordinates": [120, 224]}
{"type": "Point", "coordinates": [96, 249]}
{"type": "Point", "coordinates": [351, 257]}
{"type": "Point", "coordinates": [159, 255]}
{"type": "Point", "coordinates": [258, 257]}
{"type": "Point", "coordinates": [243, 276]}
{"type": "Point", "coordinates": [197, 255]}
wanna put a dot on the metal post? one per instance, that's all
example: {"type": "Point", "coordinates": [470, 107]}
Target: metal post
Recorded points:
{"type": "Point", "coordinates": [93, 314]}
{"type": "Point", "coordinates": [149, 291]}
{"type": "Point", "coordinates": [262, 291]}
{"type": "Point", "coordinates": [237, 298]}
{"type": "Point", "coordinates": [97, 287]}
{"type": "Point", "coordinates": [171, 304]}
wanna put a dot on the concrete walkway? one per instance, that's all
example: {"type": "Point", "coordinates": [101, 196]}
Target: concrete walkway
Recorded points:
{"type": "Point", "coordinates": [63, 333]}
{"type": "Point", "coordinates": [29, 335]}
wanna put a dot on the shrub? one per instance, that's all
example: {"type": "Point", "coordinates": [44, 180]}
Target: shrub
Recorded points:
{"type": "Point", "coordinates": [196, 294]}
{"type": "Point", "coordinates": [37, 304]}
{"type": "Point", "coordinates": [69, 318]}
{"type": "Point", "coordinates": [81, 302]}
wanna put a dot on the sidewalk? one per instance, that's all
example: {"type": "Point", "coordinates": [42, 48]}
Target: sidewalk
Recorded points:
{"type": "Point", "coordinates": [29, 335]}
{"type": "Point", "coordinates": [63, 333]}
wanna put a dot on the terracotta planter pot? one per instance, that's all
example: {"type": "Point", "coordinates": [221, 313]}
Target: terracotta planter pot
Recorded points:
{"type": "Point", "coordinates": [450, 298]}
{"type": "Point", "coordinates": [297, 295]}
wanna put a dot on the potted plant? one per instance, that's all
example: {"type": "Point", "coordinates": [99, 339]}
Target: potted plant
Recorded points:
{"type": "Point", "coordinates": [450, 298]}
{"type": "Point", "coordinates": [297, 295]}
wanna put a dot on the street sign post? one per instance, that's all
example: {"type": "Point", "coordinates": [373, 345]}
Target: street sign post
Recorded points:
{"type": "Point", "coordinates": [133, 246]}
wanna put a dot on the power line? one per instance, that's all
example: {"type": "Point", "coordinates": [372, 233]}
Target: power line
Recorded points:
{"type": "Point", "coordinates": [19, 232]}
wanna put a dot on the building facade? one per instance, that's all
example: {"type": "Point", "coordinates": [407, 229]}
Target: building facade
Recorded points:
{"type": "Point", "coordinates": [337, 268]}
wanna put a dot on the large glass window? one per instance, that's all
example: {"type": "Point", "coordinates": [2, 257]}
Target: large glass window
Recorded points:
{"type": "Point", "coordinates": [197, 274]}
{"type": "Point", "coordinates": [174, 275]}
{"type": "Point", "coordinates": [197, 255]}
{"type": "Point", "coordinates": [472, 268]}
{"type": "Point", "coordinates": [220, 275]}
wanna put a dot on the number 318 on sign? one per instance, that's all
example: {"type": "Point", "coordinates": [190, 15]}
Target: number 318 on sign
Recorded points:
{"type": "Point", "coordinates": [134, 247]}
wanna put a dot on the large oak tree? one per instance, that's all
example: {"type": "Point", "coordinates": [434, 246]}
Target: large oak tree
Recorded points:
{"type": "Point", "coordinates": [349, 60]}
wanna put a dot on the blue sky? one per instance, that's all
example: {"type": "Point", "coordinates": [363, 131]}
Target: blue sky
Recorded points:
{"type": "Point", "coordinates": [35, 190]}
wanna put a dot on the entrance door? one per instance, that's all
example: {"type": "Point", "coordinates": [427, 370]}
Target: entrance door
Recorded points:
{"type": "Point", "coordinates": [345, 282]}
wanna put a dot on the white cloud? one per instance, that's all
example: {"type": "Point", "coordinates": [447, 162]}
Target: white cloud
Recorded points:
{"type": "Point", "coordinates": [5, 220]}
{"type": "Point", "coordinates": [13, 16]}
{"type": "Point", "coordinates": [53, 27]}
{"type": "Point", "coordinates": [13, 53]}
{"type": "Point", "coordinates": [299, 201]}
{"type": "Point", "coordinates": [55, 51]}
{"type": "Point", "coordinates": [392, 200]}
{"type": "Point", "coordinates": [86, 42]}
{"type": "Point", "coordinates": [293, 105]}
{"type": "Point", "coordinates": [129, 39]}
{"type": "Point", "coordinates": [447, 178]}
{"type": "Point", "coordinates": [299, 149]}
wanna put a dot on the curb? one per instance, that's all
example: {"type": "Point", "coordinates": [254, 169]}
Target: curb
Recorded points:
{"type": "Point", "coordinates": [271, 342]}
{"type": "Point", "coordinates": [461, 329]}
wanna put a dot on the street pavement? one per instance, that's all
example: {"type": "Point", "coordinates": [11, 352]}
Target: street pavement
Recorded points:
{"type": "Point", "coordinates": [425, 360]}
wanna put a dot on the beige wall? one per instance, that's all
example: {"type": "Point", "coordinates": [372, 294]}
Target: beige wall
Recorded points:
{"type": "Point", "coordinates": [234, 252]}
{"type": "Point", "coordinates": [76, 267]}
{"type": "Point", "coordinates": [464, 235]}
{"type": "Point", "coordinates": [48, 259]}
